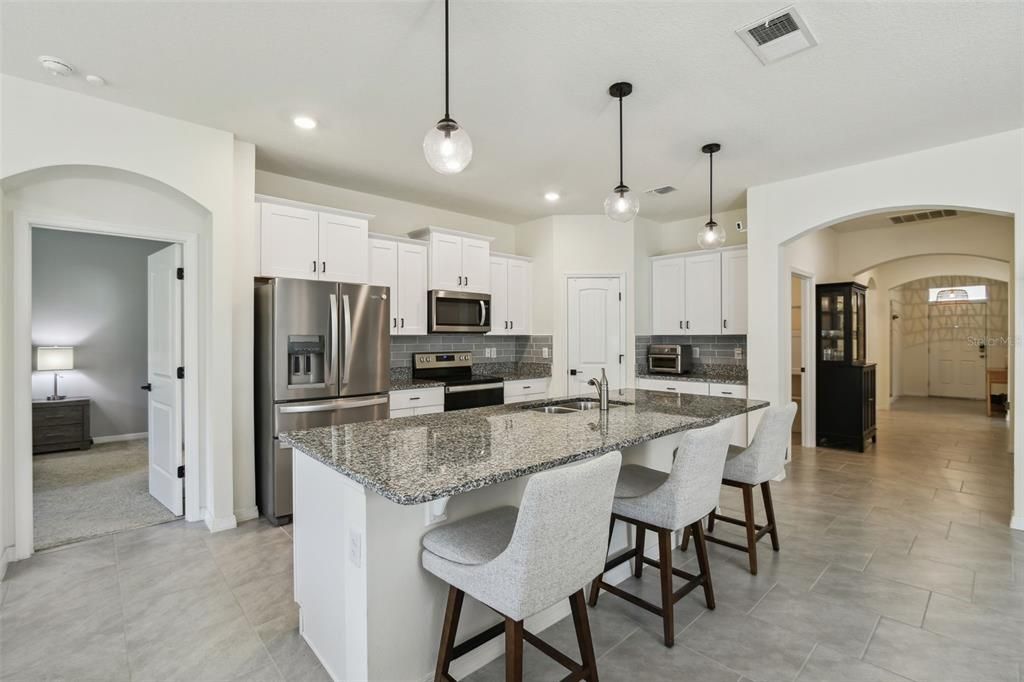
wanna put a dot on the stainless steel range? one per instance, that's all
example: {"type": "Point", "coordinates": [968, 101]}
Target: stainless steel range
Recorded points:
{"type": "Point", "coordinates": [462, 390]}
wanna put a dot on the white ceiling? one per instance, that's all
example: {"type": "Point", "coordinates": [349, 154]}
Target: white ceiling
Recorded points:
{"type": "Point", "coordinates": [529, 83]}
{"type": "Point", "coordinates": [969, 219]}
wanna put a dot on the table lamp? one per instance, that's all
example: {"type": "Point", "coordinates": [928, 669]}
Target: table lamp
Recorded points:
{"type": "Point", "coordinates": [55, 359]}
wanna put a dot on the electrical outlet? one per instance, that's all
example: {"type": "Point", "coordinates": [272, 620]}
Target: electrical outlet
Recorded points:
{"type": "Point", "coordinates": [545, 352]}
{"type": "Point", "coordinates": [738, 352]}
{"type": "Point", "coordinates": [492, 352]}
{"type": "Point", "coordinates": [355, 547]}
{"type": "Point", "coordinates": [696, 351]}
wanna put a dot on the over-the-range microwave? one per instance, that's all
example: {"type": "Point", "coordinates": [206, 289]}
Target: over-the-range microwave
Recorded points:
{"type": "Point", "coordinates": [458, 312]}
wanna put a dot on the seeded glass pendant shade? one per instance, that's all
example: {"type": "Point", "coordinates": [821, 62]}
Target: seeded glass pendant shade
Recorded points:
{"type": "Point", "coordinates": [712, 236]}
{"type": "Point", "coordinates": [622, 204]}
{"type": "Point", "coordinates": [447, 146]}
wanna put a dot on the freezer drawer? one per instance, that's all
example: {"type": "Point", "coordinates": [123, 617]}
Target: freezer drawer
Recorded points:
{"type": "Point", "coordinates": [275, 466]}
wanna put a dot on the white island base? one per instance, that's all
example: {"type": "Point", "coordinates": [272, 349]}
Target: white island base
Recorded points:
{"type": "Point", "coordinates": [368, 609]}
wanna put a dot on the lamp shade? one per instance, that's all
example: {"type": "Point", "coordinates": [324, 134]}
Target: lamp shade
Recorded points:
{"type": "Point", "coordinates": [54, 358]}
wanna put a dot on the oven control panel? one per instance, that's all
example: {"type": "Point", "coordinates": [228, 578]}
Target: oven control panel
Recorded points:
{"type": "Point", "coordinates": [442, 360]}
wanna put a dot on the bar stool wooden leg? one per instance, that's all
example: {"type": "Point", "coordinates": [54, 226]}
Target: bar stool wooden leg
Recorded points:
{"type": "Point", "coordinates": [448, 630]}
{"type": "Point", "coordinates": [701, 548]}
{"type": "Point", "coordinates": [583, 638]}
{"type": "Point", "coordinates": [711, 520]}
{"type": "Point", "coordinates": [769, 510]}
{"type": "Point", "coordinates": [685, 544]}
{"type": "Point", "coordinates": [513, 650]}
{"type": "Point", "coordinates": [667, 602]}
{"type": "Point", "coordinates": [595, 587]}
{"type": "Point", "coordinates": [638, 562]}
{"type": "Point", "coordinates": [748, 512]}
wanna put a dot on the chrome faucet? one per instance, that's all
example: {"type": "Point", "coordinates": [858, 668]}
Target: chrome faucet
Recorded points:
{"type": "Point", "coordinates": [602, 389]}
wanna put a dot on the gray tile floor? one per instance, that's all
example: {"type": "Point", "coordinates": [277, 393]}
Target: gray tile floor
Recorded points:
{"type": "Point", "coordinates": [895, 564]}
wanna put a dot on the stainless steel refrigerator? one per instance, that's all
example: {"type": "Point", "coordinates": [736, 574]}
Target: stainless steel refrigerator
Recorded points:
{"type": "Point", "coordinates": [322, 358]}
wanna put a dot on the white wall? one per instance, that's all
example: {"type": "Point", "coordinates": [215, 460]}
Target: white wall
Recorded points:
{"type": "Point", "coordinates": [391, 216]}
{"type": "Point", "coordinates": [983, 174]}
{"type": "Point", "coordinates": [50, 127]}
{"type": "Point", "coordinates": [679, 236]}
{"type": "Point", "coordinates": [89, 291]}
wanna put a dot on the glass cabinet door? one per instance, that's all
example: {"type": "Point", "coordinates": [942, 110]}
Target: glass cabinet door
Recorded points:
{"type": "Point", "coordinates": [833, 327]}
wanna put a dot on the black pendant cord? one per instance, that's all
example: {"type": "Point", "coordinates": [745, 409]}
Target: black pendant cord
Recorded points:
{"type": "Point", "coordinates": [621, 174]}
{"type": "Point", "coordinates": [711, 186]}
{"type": "Point", "coordinates": [446, 60]}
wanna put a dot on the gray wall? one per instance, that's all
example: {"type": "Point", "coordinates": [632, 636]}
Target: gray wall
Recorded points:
{"type": "Point", "coordinates": [89, 291]}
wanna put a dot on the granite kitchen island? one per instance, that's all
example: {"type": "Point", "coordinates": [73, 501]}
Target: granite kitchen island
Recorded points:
{"type": "Point", "coordinates": [366, 493]}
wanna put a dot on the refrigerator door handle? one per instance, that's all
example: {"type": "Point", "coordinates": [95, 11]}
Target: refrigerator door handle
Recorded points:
{"type": "Point", "coordinates": [348, 338]}
{"type": "Point", "coordinates": [333, 342]}
{"type": "Point", "coordinates": [333, 405]}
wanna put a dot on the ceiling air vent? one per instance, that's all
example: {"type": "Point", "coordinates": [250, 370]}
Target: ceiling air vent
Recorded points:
{"type": "Point", "coordinates": [920, 216]}
{"type": "Point", "coordinates": [777, 35]}
{"type": "Point", "coordinates": [667, 189]}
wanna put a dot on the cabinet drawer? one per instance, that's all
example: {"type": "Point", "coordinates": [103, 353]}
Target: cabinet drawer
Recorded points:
{"type": "Point", "coordinates": [689, 387]}
{"type": "Point", "coordinates": [417, 397]}
{"type": "Point", "coordinates": [729, 390]}
{"type": "Point", "coordinates": [52, 416]}
{"type": "Point", "coordinates": [51, 435]}
{"type": "Point", "coordinates": [525, 388]}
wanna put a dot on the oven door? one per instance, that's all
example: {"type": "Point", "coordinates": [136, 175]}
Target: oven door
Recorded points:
{"type": "Point", "coordinates": [664, 364]}
{"type": "Point", "coordinates": [473, 395]}
{"type": "Point", "coordinates": [459, 312]}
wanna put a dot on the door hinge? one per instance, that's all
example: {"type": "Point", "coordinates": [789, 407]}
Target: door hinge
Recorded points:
{"type": "Point", "coordinates": [181, 372]}
{"type": "Point", "coordinates": [181, 471]}
{"type": "Point", "coordinates": [181, 273]}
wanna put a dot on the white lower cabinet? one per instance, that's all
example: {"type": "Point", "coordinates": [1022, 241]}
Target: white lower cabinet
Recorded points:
{"type": "Point", "coordinates": [739, 436]}
{"type": "Point", "coordinates": [416, 401]}
{"type": "Point", "coordinates": [525, 390]}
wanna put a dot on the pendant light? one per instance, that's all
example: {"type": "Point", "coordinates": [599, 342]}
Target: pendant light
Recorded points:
{"type": "Point", "coordinates": [621, 205]}
{"type": "Point", "coordinates": [712, 236]}
{"type": "Point", "coordinates": [447, 146]}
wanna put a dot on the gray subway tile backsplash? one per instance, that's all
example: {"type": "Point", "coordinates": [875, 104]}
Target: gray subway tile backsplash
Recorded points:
{"type": "Point", "coordinates": [508, 349]}
{"type": "Point", "coordinates": [713, 350]}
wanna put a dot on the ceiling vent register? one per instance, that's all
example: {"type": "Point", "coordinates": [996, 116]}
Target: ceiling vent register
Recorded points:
{"type": "Point", "coordinates": [778, 35]}
{"type": "Point", "coordinates": [920, 216]}
{"type": "Point", "coordinates": [666, 189]}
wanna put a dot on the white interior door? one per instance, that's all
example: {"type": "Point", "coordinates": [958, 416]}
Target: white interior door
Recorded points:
{"type": "Point", "coordinates": [956, 363]}
{"type": "Point", "coordinates": [164, 322]}
{"type": "Point", "coordinates": [595, 332]}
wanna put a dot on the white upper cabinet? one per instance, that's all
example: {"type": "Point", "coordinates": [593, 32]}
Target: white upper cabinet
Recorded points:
{"type": "Point", "coordinates": [510, 296]}
{"type": "Point", "coordinates": [402, 266]}
{"type": "Point", "coordinates": [288, 242]}
{"type": "Point", "coordinates": [343, 248]}
{"type": "Point", "coordinates": [459, 261]}
{"type": "Point", "coordinates": [667, 315]}
{"type": "Point", "coordinates": [412, 288]}
{"type": "Point", "coordinates": [734, 292]}
{"type": "Point", "coordinates": [519, 296]}
{"type": "Point", "coordinates": [702, 294]}
{"type": "Point", "coordinates": [303, 242]}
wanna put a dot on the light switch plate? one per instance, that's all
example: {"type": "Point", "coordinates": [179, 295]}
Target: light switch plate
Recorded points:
{"type": "Point", "coordinates": [738, 353]}
{"type": "Point", "coordinates": [545, 352]}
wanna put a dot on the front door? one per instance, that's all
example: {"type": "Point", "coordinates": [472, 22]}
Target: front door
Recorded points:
{"type": "Point", "coordinates": [595, 332]}
{"type": "Point", "coordinates": [166, 442]}
{"type": "Point", "coordinates": [956, 350]}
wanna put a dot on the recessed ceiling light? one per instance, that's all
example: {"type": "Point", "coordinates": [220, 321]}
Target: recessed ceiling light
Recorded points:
{"type": "Point", "coordinates": [304, 122]}
{"type": "Point", "coordinates": [93, 79]}
{"type": "Point", "coordinates": [57, 67]}
{"type": "Point", "coordinates": [552, 196]}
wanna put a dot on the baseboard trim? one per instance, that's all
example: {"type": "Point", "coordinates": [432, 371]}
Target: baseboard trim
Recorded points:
{"type": "Point", "coordinates": [1017, 522]}
{"type": "Point", "coordinates": [5, 557]}
{"type": "Point", "coordinates": [120, 437]}
{"type": "Point", "coordinates": [247, 514]}
{"type": "Point", "coordinates": [217, 525]}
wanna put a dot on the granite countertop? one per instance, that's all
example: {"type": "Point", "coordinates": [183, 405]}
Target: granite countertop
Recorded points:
{"type": "Point", "coordinates": [717, 374]}
{"type": "Point", "coordinates": [401, 378]}
{"type": "Point", "coordinates": [418, 459]}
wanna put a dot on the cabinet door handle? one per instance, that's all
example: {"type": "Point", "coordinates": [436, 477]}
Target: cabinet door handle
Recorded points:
{"type": "Point", "coordinates": [467, 280]}
{"type": "Point", "coordinates": [460, 280]}
{"type": "Point", "coordinates": [323, 266]}
{"type": "Point", "coordinates": [511, 325]}
{"type": "Point", "coordinates": [314, 266]}
{"type": "Point", "coordinates": [687, 324]}
{"type": "Point", "coordinates": [394, 322]}
{"type": "Point", "coordinates": [414, 398]}
{"type": "Point", "coordinates": [725, 324]}
{"type": "Point", "coordinates": [506, 324]}
{"type": "Point", "coordinates": [680, 324]}
{"type": "Point", "coordinates": [403, 323]}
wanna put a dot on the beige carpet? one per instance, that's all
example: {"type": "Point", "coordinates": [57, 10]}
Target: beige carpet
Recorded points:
{"type": "Point", "coordinates": [86, 493]}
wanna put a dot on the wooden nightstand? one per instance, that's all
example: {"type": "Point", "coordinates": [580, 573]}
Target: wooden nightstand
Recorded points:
{"type": "Point", "coordinates": [60, 425]}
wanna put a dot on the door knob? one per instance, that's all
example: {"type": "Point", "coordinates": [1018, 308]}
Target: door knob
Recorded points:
{"type": "Point", "coordinates": [147, 387]}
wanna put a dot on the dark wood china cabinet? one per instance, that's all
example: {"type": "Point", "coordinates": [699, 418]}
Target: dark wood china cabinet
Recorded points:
{"type": "Point", "coordinates": [845, 379]}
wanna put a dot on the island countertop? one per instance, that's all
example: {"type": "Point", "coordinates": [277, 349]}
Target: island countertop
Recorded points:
{"type": "Point", "coordinates": [412, 460]}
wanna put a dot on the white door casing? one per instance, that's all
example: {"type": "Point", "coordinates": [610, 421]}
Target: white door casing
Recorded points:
{"type": "Point", "coordinates": [164, 357]}
{"type": "Point", "coordinates": [595, 334]}
{"type": "Point", "coordinates": [956, 364]}
{"type": "Point", "coordinates": [343, 248]}
{"type": "Point", "coordinates": [702, 289]}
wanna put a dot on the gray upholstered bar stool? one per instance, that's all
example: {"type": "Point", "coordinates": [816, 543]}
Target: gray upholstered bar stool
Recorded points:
{"type": "Point", "coordinates": [521, 561]}
{"type": "Point", "coordinates": [756, 465]}
{"type": "Point", "coordinates": [654, 501]}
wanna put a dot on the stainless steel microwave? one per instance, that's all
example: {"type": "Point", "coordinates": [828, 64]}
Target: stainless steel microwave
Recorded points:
{"type": "Point", "coordinates": [458, 312]}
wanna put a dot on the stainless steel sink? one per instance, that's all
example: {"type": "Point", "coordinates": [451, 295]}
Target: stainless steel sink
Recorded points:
{"type": "Point", "coordinates": [570, 406]}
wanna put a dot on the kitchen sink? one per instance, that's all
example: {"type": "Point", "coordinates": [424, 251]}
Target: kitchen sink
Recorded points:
{"type": "Point", "coordinates": [570, 406]}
